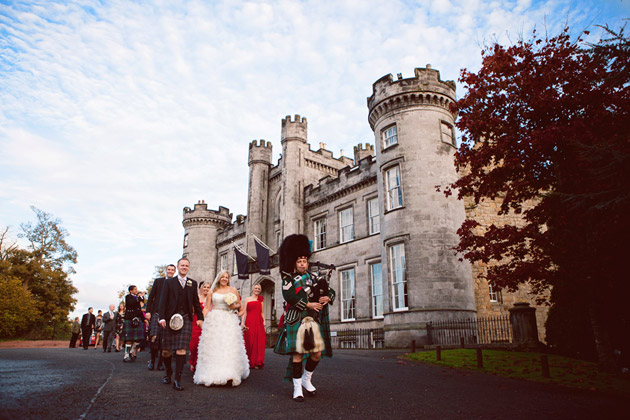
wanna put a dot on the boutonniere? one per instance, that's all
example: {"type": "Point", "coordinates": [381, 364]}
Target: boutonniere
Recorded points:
{"type": "Point", "coordinates": [189, 283]}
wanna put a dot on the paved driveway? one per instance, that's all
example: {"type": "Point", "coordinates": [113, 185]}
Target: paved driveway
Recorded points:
{"type": "Point", "coordinates": [77, 384]}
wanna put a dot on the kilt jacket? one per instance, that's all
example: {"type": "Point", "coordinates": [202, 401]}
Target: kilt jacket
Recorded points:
{"type": "Point", "coordinates": [153, 302]}
{"type": "Point", "coordinates": [168, 299]}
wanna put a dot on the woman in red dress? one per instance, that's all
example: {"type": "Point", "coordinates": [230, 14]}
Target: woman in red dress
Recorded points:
{"type": "Point", "coordinates": [196, 331]}
{"type": "Point", "coordinates": [254, 322]}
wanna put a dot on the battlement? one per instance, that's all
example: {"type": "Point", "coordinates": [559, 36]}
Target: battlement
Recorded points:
{"type": "Point", "coordinates": [200, 215]}
{"type": "Point", "coordinates": [260, 153]}
{"type": "Point", "coordinates": [424, 89]}
{"type": "Point", "coordinates": [361, 152]}
{"type": "Point", "coordinates": [294, 129]}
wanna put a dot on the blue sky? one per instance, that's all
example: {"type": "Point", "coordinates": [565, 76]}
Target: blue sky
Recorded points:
{"type": "Point", "coordinates": [114, 115]}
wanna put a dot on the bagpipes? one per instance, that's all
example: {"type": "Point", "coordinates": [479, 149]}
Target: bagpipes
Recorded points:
{"type": "Point", "coordinates": [309, 338]}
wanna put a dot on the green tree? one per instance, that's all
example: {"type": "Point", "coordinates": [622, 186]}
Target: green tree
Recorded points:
{"type": "Point", "coordinates": [18, 308]}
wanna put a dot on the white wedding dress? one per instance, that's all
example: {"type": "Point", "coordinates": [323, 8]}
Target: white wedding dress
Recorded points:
{"type": "Point", "coordinates": [222, 355]}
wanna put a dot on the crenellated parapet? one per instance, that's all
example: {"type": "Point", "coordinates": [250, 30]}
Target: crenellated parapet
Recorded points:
{"type": "Point", "coordinates": [424, 89]}
{"type": "Point", "coordinates": [200, 215]}
{"type": "Point", "coordinates": [361, 152]}
{"type": "Point", "coordinates": [294, 129]}
{"type": "Point", "coordinates": [260, 152]}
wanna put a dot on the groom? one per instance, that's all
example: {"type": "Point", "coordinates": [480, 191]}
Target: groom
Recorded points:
{"type": "Point", "coordinates": [179, 296]}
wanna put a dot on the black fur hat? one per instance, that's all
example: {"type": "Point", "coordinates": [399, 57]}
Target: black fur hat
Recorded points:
{"type": "Point", "coordinates": [293, 247]}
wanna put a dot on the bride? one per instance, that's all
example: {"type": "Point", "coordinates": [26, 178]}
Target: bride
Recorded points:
{"type": "Point", "coordinates": [222, 356]}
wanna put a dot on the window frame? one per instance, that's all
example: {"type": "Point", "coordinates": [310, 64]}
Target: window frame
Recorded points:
{"type": "Point", "coordinates": [396, 282]}
{"type": "Point", "coordinates": [386, 139]}
{"type": "Point", "coordinates": [372, 217]}
{"type": "Point", "coordinates": [448, 138]}
{"type": "Point", "coordinates": [342, 238]}
{"type": "Point", "coordinates": [319, 235]}
{"type": "Point", "coordinates": [398, 187]}
{"type": "Point", "coordinates": [344, 299]}
{"type": "Point", "coordinates": [224, 257]}
{"type": "Point", "coordinates": [376, 297]}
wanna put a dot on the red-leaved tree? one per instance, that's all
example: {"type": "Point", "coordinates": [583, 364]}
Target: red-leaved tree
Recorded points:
{"type": "Point", "coordinates": [545, 129]}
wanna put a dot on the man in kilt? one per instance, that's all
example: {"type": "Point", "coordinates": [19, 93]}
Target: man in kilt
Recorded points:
{"type": "Point", "coordinates": [179, 300]}
{"type": "Point", "coordinates": [305, 334]}
{"type": "Point", "coordinates": [133, 325]}
{"type": "Point", "coordinates": [155, 332]}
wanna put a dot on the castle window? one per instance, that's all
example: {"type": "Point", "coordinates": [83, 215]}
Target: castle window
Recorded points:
{"type": "Point", "coordinates": [348, 298]}
{"type": "Point", "coordinates": [185, 240]}
{"type": "Point", "coordinates": [398, 277]}
{"type": "Point", "coordinates": [319, 233]}
{"type": "Point", "coordinates": [374, 224]}
{"type": "Point", "coordinates": [390, 136]}
{"type": "Point", "coordinates": [223, 262]}
{"type": "Point", "coordinates": [346, 225]}
{"type": "Point", "coordinates": [394, 191]}
{"type": "Point", "coordinates": [494, 295]}
{"type": "Point", "coordinates": [447, 133]}
{"type": "Point", "coordinates": [376, 279]}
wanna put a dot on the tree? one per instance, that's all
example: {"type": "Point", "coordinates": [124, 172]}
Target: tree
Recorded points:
{"type": "Point", "coordinates": [547, 121]}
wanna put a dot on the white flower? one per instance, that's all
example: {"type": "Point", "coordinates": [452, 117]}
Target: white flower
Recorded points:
{"type": "Point", "coordinates": [230, 298]}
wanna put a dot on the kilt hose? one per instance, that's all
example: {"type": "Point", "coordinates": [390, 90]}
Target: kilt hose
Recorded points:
{"type": "Point", "coordinates": [133, 334]}
{"type": "Point", "coordinates": [177, 340]}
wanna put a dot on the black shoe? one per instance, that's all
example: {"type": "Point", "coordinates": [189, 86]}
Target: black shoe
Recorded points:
{"type": "Point", "coordinates": [160, 367]}
{"type": "Point", "coordinates": [298, 399]}
{"type": "Point", "coordinates": [166, 380]}
{"type": "Point", "coordinates": [109, 350]}
{"type": "Point", "coordinates": [150, 366]}
{"type": "Point", "coordinates": [177, 386]}
{"type": "Point", "coordinates": [126, 359]}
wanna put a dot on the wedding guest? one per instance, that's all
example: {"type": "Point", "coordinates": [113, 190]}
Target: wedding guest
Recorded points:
{"type": "Point", "coordinates": [222, 356]}
{"type": "Point", "coordinates": [76, 330]}
{"type": "Point", "coordinates": [87, 326]}
{"type": "Point", "coordinates": [133, 325]}
{"type": "Point", "coordinates": [196, 331]}
{"type": "Point", "coordinates": [119, 326]}
{"type": "Point", "coordinates": [98, 328]}
{"type": "Point", "coordinates": [109, 328]}
{"type": "Point", "coordinates": [153, 303]}
{"type": "Point", "coordinates": [253, 321]}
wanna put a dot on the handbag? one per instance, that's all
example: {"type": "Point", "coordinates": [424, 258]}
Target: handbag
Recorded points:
{"type": "Point", "coordinates": [176, 323]}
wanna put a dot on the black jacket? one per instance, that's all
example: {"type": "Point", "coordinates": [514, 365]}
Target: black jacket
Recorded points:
{"type": "Point", "coordinates": [153, 303]}
{"type": "Point", "coordinates": [168, 301]}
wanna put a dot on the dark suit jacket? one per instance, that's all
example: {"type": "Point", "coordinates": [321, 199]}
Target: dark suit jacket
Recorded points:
{"type": "Point", "coordinates": [88, 321]}
{"type": "Point", "coordinates": [110, 323]}
{"type": "Point", "coordinates": [153, 302]}
{"type": "Point", "coordinates": [168, 301]}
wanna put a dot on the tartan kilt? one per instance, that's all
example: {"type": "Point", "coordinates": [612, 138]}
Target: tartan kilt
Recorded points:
{"type": "Point", "coordinates": [177, 340]}
{"type": "Point", "coordinates": [287, 340]}
{"type": "Point", "coordinates": [133, 334]}
{"type": "Point", "coordinates": [154, 326]}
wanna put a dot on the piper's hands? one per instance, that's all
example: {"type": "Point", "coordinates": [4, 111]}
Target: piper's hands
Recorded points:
{"type": "Point", "coordinates": [162, 323]}
{"type": "Point", "coordinates": [324, 300]}
{"type": "Point", "coordinates": [315, 306]}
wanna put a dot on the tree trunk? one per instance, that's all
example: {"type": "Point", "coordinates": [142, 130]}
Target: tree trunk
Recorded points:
{"type": "Point", "coordinates": [603, 345]}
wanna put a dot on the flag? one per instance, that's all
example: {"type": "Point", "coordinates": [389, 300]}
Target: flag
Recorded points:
{"type": "Point", "coordinates": [262, 252]}
{"type": "Point", "coordinates": [241, 263]}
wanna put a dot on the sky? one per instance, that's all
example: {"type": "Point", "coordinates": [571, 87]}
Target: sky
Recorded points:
{"type": "Point", "coordinates": [117, 114]}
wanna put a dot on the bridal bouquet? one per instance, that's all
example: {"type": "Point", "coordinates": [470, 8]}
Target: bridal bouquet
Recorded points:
{"type": "Point", "coordinates": [230, 298]}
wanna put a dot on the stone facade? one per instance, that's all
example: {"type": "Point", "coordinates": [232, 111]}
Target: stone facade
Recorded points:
{"type": "Point", "coordinates": [377, 218]}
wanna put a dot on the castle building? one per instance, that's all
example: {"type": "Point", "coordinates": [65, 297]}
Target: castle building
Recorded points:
{"type": "Point", "coordinates": [378, 217]}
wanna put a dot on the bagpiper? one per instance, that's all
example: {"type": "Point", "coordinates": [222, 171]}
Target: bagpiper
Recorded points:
{"type": "Point", "coordinates": [305, 332]}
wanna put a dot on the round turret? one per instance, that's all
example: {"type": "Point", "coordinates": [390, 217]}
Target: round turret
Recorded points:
{"type": "Point", "coordinates": [259, 163]}
{"type": "Point", "coordinates": [415, 146]}
{"type": "Point", "coordinates": [201, 227]}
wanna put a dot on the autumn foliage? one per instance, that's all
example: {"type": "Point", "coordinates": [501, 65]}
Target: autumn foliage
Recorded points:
{"type": "Point", "coordinates": [545, 129]}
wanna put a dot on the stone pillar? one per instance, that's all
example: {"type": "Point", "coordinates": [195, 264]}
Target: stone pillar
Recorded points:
{"type": "Point", "coordinates": [524, 328]}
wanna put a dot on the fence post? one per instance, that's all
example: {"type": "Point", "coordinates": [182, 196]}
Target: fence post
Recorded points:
{"type": "Point", "coordinates": [479, 358]}
{"type": "Point", "coordinates": [438, 353]}
{"type": "Point", "coordinates": [461, 342]}
{"type": "Point", "coordinates": [544, 362]}
{"type": "Point", "coordinates": [413, 346]}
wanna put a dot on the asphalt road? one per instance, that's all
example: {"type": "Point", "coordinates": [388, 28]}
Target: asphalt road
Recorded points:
{"type": "Point", "coordinates": [90, 384]}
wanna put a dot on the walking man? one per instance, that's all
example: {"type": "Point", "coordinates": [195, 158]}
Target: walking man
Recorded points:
{"type": "Point", "coordinates": [109, 328]}
{"type": "Point", "coordinates": [178, 303]}
{"type": "Point", "coordinates": [153, 303]}
{"type": "Point", "coordinates": [87, 326]}
{"type": "Point", "coordinates": [76, 330]}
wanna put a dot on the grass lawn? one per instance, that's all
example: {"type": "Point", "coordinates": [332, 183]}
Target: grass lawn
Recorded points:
{"type": "Point", "coordinates": [563, 371]}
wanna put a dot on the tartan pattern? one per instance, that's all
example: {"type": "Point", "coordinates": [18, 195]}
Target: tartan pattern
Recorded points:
{"type": "Point", "coordinates": [133, 334]}
{"type": "Point", "coordinates": [177, 340]}
{"type": "Point", "coordinates": [154, 327]}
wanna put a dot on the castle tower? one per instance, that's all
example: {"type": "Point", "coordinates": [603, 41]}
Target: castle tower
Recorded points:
{"type": "Point", "coordinates": [201, 227]}
{"type": "Point", "coordinates": [258, 193]}
{"type": "Point", "coordinates": [415, 144]}
{"type": "Point", "coordinates": [361, 152]}
{"type": "Point", "coordinates": [294, 146]}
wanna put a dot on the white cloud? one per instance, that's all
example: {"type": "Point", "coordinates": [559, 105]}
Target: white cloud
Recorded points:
{"type": "Point", "coordinates": [115, 115]}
